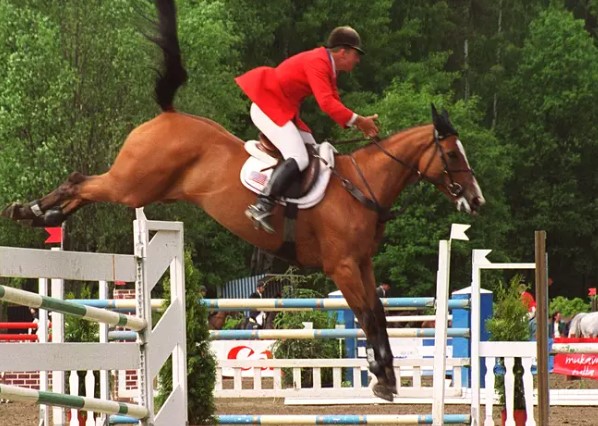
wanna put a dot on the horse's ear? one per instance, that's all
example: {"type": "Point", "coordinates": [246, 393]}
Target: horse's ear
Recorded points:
{"type": "Point", "coordinates": [435, 115]}
{"type": "Point", "coordinates": [445, 114]}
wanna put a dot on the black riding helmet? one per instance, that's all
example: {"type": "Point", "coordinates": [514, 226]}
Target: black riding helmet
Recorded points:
{"type": "Point", "coordinates": [345, 37]}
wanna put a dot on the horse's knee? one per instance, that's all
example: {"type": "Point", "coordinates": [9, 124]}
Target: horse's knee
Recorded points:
{"type": "Point", "coordinates": [76, 178]}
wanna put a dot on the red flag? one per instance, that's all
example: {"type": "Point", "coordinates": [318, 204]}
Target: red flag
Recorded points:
{"type": "Point", "coordinates": [592, 291]}
{"type": "Point", "coordinates": [55, 235]}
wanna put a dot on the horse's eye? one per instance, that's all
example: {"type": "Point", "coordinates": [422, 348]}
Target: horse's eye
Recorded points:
{"type": "Point", "coordinates": [452, 155]}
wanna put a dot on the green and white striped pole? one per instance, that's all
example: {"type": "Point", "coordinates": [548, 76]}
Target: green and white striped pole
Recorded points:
{"type": "Point", "coordinates": [25, 298]}
{"type": "Point", "coordinates": [72, 401]}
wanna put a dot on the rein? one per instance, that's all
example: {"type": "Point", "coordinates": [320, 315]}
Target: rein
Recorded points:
{"type": "Point", "coordinates": [384, 214]}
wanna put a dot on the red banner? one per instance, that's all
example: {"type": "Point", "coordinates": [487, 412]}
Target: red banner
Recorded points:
{"type": "Point", "coordinates": [55, 235]}
{"type": "Point", "coordinates": [581, 365]}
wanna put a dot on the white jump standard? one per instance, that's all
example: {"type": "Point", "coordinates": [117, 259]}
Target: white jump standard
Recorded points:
{"type": "Point", "coordinates": [155, 346]}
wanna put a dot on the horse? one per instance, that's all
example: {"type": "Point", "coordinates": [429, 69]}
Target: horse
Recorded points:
{"type": "Point", "coordinates": [584, 325]}
{"type": "Point", "coordinates": [217, 319]}
{"type": "Point", "coordinates": [181, 157]}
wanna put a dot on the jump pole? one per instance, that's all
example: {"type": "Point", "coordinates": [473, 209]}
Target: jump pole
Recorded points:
{"type": "Point", "coordinates": [71, 401]}
{"type": "Point", "coordinates": [18, 325]}
{"type": "Point", "coordinates": [25, 298]}
{"type": "Point", "coordinates": [321, 304]}
{"type": "Point", "coordinates": [340, 419]}
{"type": "Point", "coordinates": [332, 333]}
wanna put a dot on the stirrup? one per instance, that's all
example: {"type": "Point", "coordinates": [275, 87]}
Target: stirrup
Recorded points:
{"type": "Point", "coordinates": [259, 218]}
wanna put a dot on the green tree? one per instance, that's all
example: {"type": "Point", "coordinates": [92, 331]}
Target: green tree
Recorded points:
{"type": "Point", "coordinates": [551, 110]}
{"type": "Point", "coordinates": [409, 251]}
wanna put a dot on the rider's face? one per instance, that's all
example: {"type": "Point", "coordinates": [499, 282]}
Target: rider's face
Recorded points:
{"type": "Point", "coordinates": [348, 58]}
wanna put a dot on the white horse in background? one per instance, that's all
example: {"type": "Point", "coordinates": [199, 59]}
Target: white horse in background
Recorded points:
{"type": "Point", "coordinates": [584, 325]}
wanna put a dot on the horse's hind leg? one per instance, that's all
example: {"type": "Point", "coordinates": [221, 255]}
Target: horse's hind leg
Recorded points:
{"type": "Point", "coordinates": [52, 209]}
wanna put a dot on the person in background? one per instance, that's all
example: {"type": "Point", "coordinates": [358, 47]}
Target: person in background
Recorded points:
{"type": "Point", "coordinates": [203, 291]}
{"type": "Point", "coordinates": [530, 303]}
{"type": "Point", "coordinates": [559, 327]}
{"type": "Point", "coordinates": [34, 319]}
{"type": "Point", "coordinates": [257, 318]}
{"type": "Point", "coordinates": [383, 290]}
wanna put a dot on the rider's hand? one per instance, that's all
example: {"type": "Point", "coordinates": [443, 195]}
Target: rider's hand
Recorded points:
{"type": "Point", "coordinates": [367, 125]}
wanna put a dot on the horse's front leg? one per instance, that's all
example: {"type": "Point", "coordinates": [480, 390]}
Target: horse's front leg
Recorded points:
{"type": "Point", "coordinates": [362, 299]}
{"type": "Point", "coordinates": [373, 323]}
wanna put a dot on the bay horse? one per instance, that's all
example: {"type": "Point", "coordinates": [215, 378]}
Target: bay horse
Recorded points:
{"type": "Point", "coordinates": [217, 319]}
{"type": "Point", "coordinates": [177, 156]}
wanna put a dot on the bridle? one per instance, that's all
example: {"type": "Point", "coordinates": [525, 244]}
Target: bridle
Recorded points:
{"type": "Point", "coordinates": [384, 214]}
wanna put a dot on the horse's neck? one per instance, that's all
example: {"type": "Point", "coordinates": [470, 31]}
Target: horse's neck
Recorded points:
{"type": "Point", "coordinates": [386, 176]}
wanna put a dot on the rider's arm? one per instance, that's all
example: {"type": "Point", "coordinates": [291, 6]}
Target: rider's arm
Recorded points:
{"type": "Point", "coordinates": [319, 77]}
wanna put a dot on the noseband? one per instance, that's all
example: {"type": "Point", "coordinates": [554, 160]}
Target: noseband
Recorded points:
{"type": "Point", "coordinates": [453, 187]}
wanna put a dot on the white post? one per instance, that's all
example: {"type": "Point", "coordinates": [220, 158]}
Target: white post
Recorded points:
{"type": "Point", "coordinates": [477, 256]}
{"type": "Point", "coordinates": [90, 382]}
{"type": "Point", "coordinates": [104, 374]}
{"type": "Point", "coordinates": [442, 285]}
{"type": "Point", "coordinates": [441, 333]}
{"type": "Point", "coordinates": [144, 310]}
{"type": "Point", "coordinates": [58, 377]}
{"type": "Point", "coordinates": [74, 390]}
{"type": "Point", "coordinates": [42, 337]}
{"type": "Point", "coordinates": [177, 295]}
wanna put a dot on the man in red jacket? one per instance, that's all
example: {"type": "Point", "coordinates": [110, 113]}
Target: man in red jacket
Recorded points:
{"type": "Point", "coordinates": [277, 94]}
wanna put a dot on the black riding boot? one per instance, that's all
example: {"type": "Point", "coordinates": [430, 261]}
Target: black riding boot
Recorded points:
{"type": "Point", "coordinates": [281, 178]}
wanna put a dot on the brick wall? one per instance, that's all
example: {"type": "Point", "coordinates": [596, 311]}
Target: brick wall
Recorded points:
{"type": "Point", "coordinates": [130, 375]}
{"type": "Point", "coordinates": [23, 379]}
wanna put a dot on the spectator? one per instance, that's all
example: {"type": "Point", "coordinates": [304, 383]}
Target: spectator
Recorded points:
{"type": "Point", "coordinates": [530, 303]}
{"type": "Point", "coordinates": [383, 290]}
{"type": "Point", "coordinates": [559, 327]}
{"type": "Point", "coordinates": [256, 318]}
{"type": "Point", "coordinates": [203, 291]}
{"type": "Point", "coordinates": [34, 319]}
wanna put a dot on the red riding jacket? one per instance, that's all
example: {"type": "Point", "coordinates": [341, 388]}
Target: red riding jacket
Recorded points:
{"type": "Point", "coordinates": [280, 91]}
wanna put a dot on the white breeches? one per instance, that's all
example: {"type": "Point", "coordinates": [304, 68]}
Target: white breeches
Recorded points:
{"type": "Point", "coordinates": [289, 140]}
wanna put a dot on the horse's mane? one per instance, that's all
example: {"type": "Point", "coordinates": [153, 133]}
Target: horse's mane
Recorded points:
{"type": "Point", "coordinates": [405, 133]}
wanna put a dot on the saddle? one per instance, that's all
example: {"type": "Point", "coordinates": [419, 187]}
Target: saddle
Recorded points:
{"type": "Point", "coordinates": [308, 176]}
{"type": "Point", "coordinates": [264, 157]}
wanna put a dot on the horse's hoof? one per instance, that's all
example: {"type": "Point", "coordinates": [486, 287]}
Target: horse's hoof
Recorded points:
{"type": "Point", "coordinates": [383, 392]}
{"type": "Point", "coordinates": [392, 380]}
{"type": "Point", "coordinates": [10, 211]}
{"type": "Point", "coordinates": [53, 217]}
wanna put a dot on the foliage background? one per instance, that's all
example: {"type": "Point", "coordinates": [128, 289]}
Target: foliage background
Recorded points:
{"type": "Point", "coordinates": [519, 79]}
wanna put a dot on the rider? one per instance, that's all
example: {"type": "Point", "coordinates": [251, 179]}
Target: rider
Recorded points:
{"type": "Point", "coordinates": [277, 94]}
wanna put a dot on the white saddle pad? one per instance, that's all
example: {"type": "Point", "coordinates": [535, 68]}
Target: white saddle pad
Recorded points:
{"type": "Point", "coordinates": [257, 170]}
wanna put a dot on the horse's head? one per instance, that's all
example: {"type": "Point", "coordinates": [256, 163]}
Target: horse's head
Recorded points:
{"type": "Point", "coordinates": [445, 165]}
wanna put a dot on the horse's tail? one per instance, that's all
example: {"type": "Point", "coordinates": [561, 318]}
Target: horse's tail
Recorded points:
{"type": "Point", "coordinates": [173, 74]}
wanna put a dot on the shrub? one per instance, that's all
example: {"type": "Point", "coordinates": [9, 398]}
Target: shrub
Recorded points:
{"type": "Point", "coordinates": [509, 322]}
